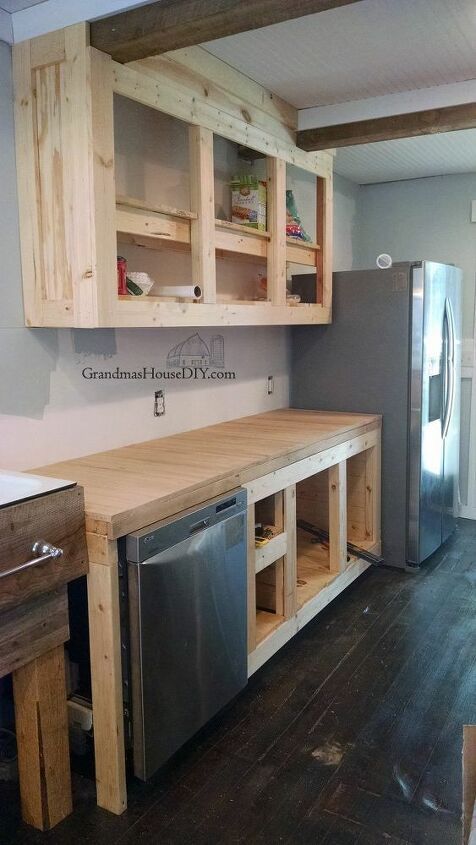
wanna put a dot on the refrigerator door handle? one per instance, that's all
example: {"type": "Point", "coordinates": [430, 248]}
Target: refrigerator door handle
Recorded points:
{"type": "Point", "coordinates": [449, 367]}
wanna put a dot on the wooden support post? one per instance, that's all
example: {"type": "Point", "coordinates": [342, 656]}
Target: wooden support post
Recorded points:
{"type": "Point", "coordinates": [276, 224]}
{"type": "Point", "coordinates": [324, 234]}
{"type": "Point", "coordinates": [102, 122]}
{"type": "Point", "coordinates": [290, 564]}
{"type": "Point", "coordinates": [42, 732]}
{"type": "Point", "coordinates": [202, 197]}
{"type": "Point", "coordinates": [372, 496]}
{"type": "Point", "coordinates": [251, 579]}
{"type": "Point", "coordinates": [106, 674]}
{"type": "Point", "coordinates": [338, 517]}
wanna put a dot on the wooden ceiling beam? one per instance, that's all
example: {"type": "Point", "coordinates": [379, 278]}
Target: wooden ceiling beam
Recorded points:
{"type": "Point", "coordinates": [172, 24]}
{"type": "Point", "coordinates": [429, 122]}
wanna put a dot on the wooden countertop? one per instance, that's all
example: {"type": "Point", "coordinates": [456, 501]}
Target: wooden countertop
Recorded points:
{"type": "Point", "coordinates": [128, 488]}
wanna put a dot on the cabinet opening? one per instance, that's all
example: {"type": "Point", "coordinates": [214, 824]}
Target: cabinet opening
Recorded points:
{"type": "Point", "coordinates": [241, 249]}
{"type": "Point", "coordinates": [313, 558]}
{"type": "Point", "coordinates": [303, 245]}
{"type": "Point", "coordinates": [269, 600]}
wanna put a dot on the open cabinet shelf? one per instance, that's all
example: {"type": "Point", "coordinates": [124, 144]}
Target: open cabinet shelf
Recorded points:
{"type": "Point", "coordinates": [121, 170]}
{"type": "Point", "coordinates": [296, 574]}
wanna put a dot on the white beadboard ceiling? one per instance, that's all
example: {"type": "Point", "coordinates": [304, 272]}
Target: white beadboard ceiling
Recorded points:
{"type": "Point", "coordinates": [409, 158]}
{"type": "Point", "coordinates": [368, 49]}
{"type": "Point", "coordinates": [12, 6]}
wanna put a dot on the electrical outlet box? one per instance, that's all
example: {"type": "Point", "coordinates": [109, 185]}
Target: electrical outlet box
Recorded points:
{"type": "Point", "coordinates": [270, 385]}
{"type": "Point", "coordinates": [159, 403]}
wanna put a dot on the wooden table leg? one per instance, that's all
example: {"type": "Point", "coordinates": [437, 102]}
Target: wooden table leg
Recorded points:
{"type": "Point", "coordinates": [42, 736]}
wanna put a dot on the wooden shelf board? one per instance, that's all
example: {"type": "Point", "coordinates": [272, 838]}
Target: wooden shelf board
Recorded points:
{"type": "Point", "coordinates": [271, 552]}
{"type": "Point", "coordinates": [158, 208]}
{"type": "Point", "coordinates": [143, 311]}
{"type": "Point", "coordinates": [241, 229]}
{"type": "Point", "coordinates": [302, 244]}
{"type": "Point", "coordinates": [266, 624]}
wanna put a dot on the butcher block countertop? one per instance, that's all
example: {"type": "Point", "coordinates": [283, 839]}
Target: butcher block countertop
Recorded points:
{"type": "Point", "coordinates": [131, 487]}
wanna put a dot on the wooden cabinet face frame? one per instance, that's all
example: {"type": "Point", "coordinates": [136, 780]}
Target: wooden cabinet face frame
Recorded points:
{"type": "Point", "coordinates": [70, 215]}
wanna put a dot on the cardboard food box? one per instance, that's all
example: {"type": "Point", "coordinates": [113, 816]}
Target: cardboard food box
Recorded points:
{"type": "Point", "coordinates": [248, 202]}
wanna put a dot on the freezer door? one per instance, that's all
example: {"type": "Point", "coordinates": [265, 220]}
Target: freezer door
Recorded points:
{"type": "Point", "coordinates": [426, 415]}
{"type": "Point", "coordinates": [451, 401]}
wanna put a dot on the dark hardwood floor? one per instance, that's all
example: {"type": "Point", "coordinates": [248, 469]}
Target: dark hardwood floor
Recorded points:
{"type": "Point", "coordinates": [351, 734]}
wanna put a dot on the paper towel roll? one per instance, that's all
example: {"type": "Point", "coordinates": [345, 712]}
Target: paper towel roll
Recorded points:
{"type": "Point", "coordinates": [182, 291]}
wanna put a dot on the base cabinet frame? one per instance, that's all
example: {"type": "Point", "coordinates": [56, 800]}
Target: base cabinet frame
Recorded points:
{"type": "Point", "coordinates": [275, 499]}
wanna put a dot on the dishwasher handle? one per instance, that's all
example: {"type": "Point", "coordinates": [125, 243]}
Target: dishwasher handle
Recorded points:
{"type": "Point", "coordinates": [200, 526]}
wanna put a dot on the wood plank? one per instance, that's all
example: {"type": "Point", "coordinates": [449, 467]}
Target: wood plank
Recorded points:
{"type": "Point", "coordinates": [276, 212]}
{"type": "Point", "coordinates": [250, 556]}
{"type": "Point", "coordinates": [231, 92]}
{"type": "Point", "coordinates": [33, 628]}
{"type": "Point", "coordinates": [42, 732]}
{"type": "Point", "coordinates": [143, 312]}
{"type": "Point", "coordinates": [143, 205]}
{"type": "Point", "coordinates": [248, 242]}
{"type": "Point", "coordinates": [409, 125]}
{"type": "Point", "coordinates": [57, 518]}
{"type": "Point", "coordinates": [271, 552]}
{"type": "Point", "coordinates": [178, 101]}
{"type": "Point", "coordinates": [151, 224]}
{"type": "Point", "coordinates": [104, 187]}
{"type": "Point", "coordinates": [338, 517]}
{"type": "Point", "coordinates": [161, 27]}
{"type": "Point", "coordinates": [106, 682]}
{"type": "Point", "coordinates": [324, 235]}
{"type": "Point", "coordinates": [202, 203]}
{"type": "Point", "coordinates": [290, 562]}
{"type": "Point", "coordinates": [134, 486]}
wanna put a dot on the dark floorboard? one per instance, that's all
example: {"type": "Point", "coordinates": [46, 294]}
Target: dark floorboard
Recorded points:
{"type": "Point", "coordinates": [351, 734]}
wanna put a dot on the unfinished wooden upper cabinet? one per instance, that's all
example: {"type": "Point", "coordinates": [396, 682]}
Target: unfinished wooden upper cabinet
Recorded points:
{"type": "Point", "coordinates": [136, 160]}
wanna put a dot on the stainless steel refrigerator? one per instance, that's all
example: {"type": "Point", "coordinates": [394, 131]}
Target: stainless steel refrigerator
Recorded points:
{"type": "Point", "coordinates": [394, 348]}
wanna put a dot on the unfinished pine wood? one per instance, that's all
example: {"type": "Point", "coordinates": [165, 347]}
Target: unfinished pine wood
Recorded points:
{"type": "Point", "coordinates": [289, 561]}
{"type": "Point", "coordinates": [136, 485]}
{"type": "Point", "coordinates": [213, 81]}
{"type": "Point", "coordinates": [324, 237]}
{"type": "Point", "coordinates": [276, 212]}
{"type": "Point", "coordinates": [106, 681]}
{"type": "Point", "coordinates": [42, 732]}
{"type": "Point", "coordinates": [250, 546]}
{"type": "Point", "coordinates": [338, 517]}
{"type": "Point", "coordinates": [70, 224]}
{"type": "Point", "coordinates": [178, 101]}
{"type": "Point", "coordinates": [202, 203]}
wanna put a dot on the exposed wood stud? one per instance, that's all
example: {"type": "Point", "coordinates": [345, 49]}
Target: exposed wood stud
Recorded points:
{"type": "Point", "coordinates": [276, 210]}
{"type": "Point", "coordinates": [338, 517]}
{"type": "Point", "coordinates": [202, 199]}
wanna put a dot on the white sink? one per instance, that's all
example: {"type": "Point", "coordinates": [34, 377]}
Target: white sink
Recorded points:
{"type": "Point", "coordinates": [18, 486]}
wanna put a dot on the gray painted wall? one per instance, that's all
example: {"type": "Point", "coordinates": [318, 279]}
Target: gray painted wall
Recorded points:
{"type": "Point", "coordinates": [422, 218]}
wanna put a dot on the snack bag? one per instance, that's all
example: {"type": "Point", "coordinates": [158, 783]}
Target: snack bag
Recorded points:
{"type": "Point", "coordinates": [294, 228]}
{"type": "Point", "coordinates": [248, 202]}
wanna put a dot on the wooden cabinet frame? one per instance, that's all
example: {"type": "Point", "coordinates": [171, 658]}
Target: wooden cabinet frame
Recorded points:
{"type": "Point", "coordinates": [70, 215]}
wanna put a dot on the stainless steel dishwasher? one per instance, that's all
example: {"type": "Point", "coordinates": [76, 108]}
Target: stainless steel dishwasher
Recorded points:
{"type": "Point", "coordinates": [187, 585]}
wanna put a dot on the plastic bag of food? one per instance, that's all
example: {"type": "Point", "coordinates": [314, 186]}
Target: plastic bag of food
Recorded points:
{"type": "Point", "coordinates": [294, 227]}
